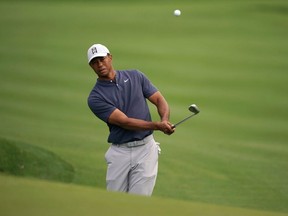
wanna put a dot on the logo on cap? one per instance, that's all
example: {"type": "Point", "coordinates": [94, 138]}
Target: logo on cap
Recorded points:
{"type": "Point", "coordinates": [94, 50]}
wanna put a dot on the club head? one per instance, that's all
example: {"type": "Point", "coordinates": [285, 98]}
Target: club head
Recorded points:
{"type": "Point", "coordinates": [193, 108]}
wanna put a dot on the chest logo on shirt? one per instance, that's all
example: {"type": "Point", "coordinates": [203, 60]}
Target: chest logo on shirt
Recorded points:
{"type": "Point", "coordinates": [126, 80]}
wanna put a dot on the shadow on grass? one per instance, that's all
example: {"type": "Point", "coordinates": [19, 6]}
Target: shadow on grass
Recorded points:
{"type": "Point", "coordinates": [22, 159]}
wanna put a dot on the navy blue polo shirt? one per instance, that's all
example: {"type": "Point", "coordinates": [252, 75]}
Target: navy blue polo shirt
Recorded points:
{"type": "Point", "coordinates": [127, 93]}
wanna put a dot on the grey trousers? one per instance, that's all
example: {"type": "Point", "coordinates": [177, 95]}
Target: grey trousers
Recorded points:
{"type": "Point", "coordinates": [132, 169]}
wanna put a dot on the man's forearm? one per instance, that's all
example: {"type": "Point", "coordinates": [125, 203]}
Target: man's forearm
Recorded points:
{"type": "Point", "coordinates": [120, 119]}
{"type": "Point", "coordinates": [138, 124]}
{"type": "Point", "coordinates": [163, 110]}
{"type": "Point", "coordinates": [162, 106]}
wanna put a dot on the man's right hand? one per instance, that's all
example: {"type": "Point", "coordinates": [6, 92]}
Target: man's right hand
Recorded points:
{"type": "Point", "coordinates": [166, 127]}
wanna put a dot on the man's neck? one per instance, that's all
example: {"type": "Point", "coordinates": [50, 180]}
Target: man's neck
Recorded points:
{"type": "Point", "coordinates": [110, 76]}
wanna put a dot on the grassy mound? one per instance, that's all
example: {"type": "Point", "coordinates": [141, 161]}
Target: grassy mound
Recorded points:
{"type": "Point", "coordinates": [22, 159]}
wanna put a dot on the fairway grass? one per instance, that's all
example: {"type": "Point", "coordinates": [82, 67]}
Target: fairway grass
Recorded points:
{"type": "Point", "coordinates": [228, 57]}
{"type": "Point", "coordinates": [49, 199]}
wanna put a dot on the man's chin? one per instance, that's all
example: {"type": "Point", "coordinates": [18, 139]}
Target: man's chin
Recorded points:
{"type": "Point", "coordinates": [102, 73]}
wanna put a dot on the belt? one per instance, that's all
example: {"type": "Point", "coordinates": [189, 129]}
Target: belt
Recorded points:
{"type": "Point", "coordinates": [136, 143]}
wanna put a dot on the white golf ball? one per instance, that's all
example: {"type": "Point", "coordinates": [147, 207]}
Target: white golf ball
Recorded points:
{"type": "Point", "coordinates": [177, 12]}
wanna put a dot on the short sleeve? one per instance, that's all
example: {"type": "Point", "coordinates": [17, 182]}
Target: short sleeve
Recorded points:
{"type": "Point", "coordinates": [100, 107]}
{"type": "Point", "coordinates": [148, 88]}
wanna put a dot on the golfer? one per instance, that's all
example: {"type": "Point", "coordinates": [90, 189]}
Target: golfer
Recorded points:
{"type": "Point", "coordinates": [119, 99]}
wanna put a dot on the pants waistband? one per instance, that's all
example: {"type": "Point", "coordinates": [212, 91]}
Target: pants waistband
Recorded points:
{"type": "Point", "coordinates": [136, 143]}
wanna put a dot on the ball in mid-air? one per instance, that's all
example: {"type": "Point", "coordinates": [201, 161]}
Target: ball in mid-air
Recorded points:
{"type": "Point", "coordinates": [177, 12]}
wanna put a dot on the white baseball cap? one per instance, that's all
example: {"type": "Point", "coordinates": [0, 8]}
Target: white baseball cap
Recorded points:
{"type": "Point", "coordinates": [97, 50]}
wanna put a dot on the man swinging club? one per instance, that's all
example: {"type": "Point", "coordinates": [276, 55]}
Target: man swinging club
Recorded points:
{"type": "Point", "coordinates": [119, 99]}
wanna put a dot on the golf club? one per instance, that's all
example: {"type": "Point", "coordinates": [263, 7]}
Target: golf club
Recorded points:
{"type": "Point", "coordinates": [192, 108]}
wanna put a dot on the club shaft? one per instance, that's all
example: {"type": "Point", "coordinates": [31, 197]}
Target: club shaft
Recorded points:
{"type": "Point", "coordinates": [183, 120]}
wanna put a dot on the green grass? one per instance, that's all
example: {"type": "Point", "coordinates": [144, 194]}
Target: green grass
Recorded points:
{"type": "Point", "coordinates": [228, 57]}
{"type": "Point", "coordinates": [46, 198]}
{"type": "Point", "coordinates": [21, 159]}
